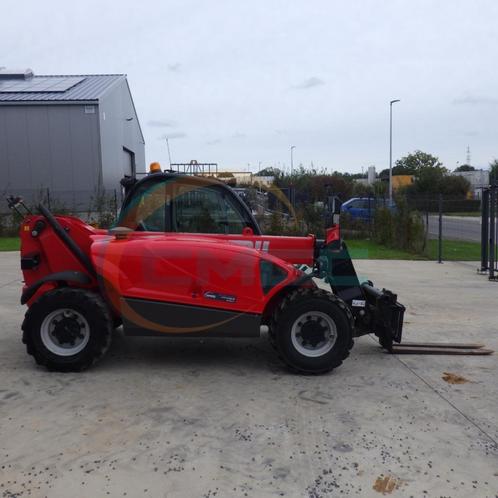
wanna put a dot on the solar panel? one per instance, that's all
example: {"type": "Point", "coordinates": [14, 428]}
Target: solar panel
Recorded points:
{"type": "Point", "coordinates": [40, 85]}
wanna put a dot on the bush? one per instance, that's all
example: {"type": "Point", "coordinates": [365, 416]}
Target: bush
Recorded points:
{"type": "Point", "coordinates": [384, 226]}
{"type": "Point", "coordinates": [353, 228]}
{"type": "Point", "coordinates": [402, 229]}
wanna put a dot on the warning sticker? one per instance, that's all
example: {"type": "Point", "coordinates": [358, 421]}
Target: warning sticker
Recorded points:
{"type": "Point", "coordinates": [358, 303]}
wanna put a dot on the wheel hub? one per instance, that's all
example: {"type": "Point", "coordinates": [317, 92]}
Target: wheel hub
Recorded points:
{"type": "Point", "coordinates": [314, 334]}
{"type": "Point", "coordinates": [67, 330]}
{"type": "Point", "coordinates": [313, 331]}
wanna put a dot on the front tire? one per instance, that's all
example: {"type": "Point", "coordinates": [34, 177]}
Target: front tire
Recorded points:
{"type": "Point", "coordinates": [67, 329]}
{"type": "Point", "coordinates": [313, 331]}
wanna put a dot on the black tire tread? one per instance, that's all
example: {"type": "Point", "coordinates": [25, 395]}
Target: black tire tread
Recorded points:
{"type": "Point", "coordinates": [85, 298]}
{"type": "Point", "coordinates": [290, 300]}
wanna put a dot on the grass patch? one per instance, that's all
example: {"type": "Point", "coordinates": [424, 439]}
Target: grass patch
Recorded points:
{"type": "Point", "coordinates": [368, 249]}
{"type": "Point", "coordinates": [453, 250]}
{"type": "Point", "coordinates": [10, 243]}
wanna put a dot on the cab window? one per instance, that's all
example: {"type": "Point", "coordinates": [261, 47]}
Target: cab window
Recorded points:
{"type": "Point", "coordinates": [206, 210]}
{"type": "Point", "coordinates": [148, 210]}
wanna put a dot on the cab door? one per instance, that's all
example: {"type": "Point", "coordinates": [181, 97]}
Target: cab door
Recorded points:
{"type": "Point", "coordinates": [207, 209]}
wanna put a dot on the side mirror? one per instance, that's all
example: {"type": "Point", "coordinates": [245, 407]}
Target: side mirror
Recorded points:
{"type": "Point", "coordinates": [248, 231]}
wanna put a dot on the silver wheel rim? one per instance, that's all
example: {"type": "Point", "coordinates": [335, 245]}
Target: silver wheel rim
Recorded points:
{"type": "Point", "coordinates": [65, 332]}
{"type": "Point", "coordinates": [318, 342]}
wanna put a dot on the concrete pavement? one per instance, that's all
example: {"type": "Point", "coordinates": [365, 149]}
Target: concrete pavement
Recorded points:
{"type": "Point", "coordinates": [190, 418]}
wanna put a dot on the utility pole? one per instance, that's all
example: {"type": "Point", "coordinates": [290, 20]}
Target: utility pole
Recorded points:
{"type": "Point", "coordinates": [169, 153]}
{"type": "Point", "coordinates": [292, 158]}
{"type": "Point", "coordinates": [391, 150]}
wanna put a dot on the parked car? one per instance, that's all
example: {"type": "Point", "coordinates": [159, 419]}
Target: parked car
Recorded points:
{"type": "Point", "coordinates": [363, 208]}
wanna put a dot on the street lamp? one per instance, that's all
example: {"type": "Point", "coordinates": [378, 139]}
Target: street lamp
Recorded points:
{"type": "Point", "coordinates": [391, 149]}
{"type": "Point", "coordinates": [292, 157]}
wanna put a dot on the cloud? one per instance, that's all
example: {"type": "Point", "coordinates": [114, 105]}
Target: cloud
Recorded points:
{"type": "Point", "coordinates": [309, 83]}
{"type": "Point", "coordinates": [239, 135]}
{"type": "Point", "coordinates": [174, 68]}
{"type": "Point", "coordinates": [214, 142]}
{"type": "Point", "coordinates": [174, 134]}
{"type": "Point", "coordinates": [475, 100]}
{"type": "Point", "coordinates": [161, 123]}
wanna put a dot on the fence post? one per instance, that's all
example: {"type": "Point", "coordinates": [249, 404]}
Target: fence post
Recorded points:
{"type": "Point", "coordinates": [370, 215]}
{"type": "Point", "coordinates": [492, 218]}
{"type": "Point", "coordinates": [484, 228]}
{"type": "Point", "coordinates": [48, 199]}
{"type": "Point", "coordinates": [116, 204]}
{"type": "Point", "coordinates": [426, 234]}
{"type": "Point", "coordinates": [440, 232]}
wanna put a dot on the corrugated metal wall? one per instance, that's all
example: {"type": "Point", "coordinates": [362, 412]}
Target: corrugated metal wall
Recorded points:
{"type": "Point", "coordinates": [49, 146]}
{"type": "Point", "coordinates": [119, 127]}
{"type": "Point", "coordinates": [70, 147]}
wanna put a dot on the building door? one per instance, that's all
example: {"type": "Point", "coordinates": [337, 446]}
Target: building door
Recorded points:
{"type": "Point", "coordinates": [129, 166]}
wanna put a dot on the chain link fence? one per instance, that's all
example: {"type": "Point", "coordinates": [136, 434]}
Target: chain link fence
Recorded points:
{"type": "Point", "coordinates": [433, 226]}
{"type": "Point", "coordinates": [98, 207]}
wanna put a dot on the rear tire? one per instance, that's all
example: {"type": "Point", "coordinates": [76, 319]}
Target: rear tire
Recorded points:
{"type": "Point", "coordinates": [313, 330]}
{"type": "Point", "coordinates": [67, 329]}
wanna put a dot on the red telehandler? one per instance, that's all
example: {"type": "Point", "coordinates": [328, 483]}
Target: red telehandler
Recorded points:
{"type": "Point", "coordinates": [187, 258]}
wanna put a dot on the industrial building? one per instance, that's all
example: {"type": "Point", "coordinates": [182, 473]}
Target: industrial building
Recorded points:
{"type": "Point", "coordinates": [69, 134]}
{"type": "Point", "coordinates": [478, 180]}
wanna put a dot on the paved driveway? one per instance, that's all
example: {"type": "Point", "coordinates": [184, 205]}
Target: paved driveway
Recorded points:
{"type": "Point", "coordinates": [190, 418]}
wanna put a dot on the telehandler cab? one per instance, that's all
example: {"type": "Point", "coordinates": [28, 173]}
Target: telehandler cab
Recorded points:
{"type": "Point", "coordinates": [188, 258]}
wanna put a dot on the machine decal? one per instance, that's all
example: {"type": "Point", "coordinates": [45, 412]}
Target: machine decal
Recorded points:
{"type": "Point", "coordinates": [259, 245]}
{"type": "Point", "coordinates": [358, 303]}
{"type": "Point", "coordinates": [220, 297]}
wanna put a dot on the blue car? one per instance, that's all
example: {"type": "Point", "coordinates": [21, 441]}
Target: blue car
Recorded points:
{"type": "Point", "coordinates": [363, 208]}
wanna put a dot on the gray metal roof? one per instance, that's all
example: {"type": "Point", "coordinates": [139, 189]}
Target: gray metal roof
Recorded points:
{"type": "Point", "coordinates": [86, 88]}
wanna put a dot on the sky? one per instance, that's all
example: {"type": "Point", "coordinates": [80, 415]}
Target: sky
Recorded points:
{"type": "Point", "coordinates": [238, 83]}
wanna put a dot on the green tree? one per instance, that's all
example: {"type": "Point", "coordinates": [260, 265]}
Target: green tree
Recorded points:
{"type": "Point", "coordinates": [455, 186]}
{"type": "Point", "coordinates": [412, 164]}
{"type": "Point", "coordinates": [429, 179]}
{"type": "Point", "coordinates": [464, 167]}
{"type": "Point", "coordinates": [493, 170]}
{"type": "Point", "coordinates": [362, 190]}
{"type": "Point", "coordinates": [417, 161]}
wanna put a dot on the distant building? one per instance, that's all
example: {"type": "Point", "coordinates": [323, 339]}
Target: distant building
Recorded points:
{"type": "Point", "coordinates": [371, 175]}
{"type": "Point", "coordinates": [477, 179]}
{"type": "Point", "coordinates": [72, 134]}
{"type": "Point", "coordinates": [264, 181]}
{"type": "Point", "coordinates": [246, 178]}
{"type": "Point", "coordinates": [400, 181]}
